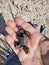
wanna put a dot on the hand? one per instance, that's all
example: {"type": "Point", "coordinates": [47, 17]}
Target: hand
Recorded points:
{"type": "Point", "coordinates": [33, 41]}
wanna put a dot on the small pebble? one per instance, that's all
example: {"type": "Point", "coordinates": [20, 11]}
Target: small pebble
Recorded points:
{"type": "Point", "coordinates": [26, 49]}
{"type": "Point", "coordinates": [42, 28]}
{"type": "Point", "coordinates": [34, 25]}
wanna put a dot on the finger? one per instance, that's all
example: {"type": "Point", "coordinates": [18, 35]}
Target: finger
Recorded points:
{"type": "Point", "coordinates": [12, 24]}
{"type": "Point", "coordinates": [22, 55]}
{"type": "Point", "coordinates": [12, 33]}
{"type": "Point", "coordinates": [16, 50]}
{"type": "Point", "coordinates": [25, 25]}
{"type": "Point", "coordinates": [9, 30]}
{"type": "Point", "coordinates": [10, 41]}
{"type": "Point", "coordinates": [19, 21]}
{"type": "Point", "coordinates": [14, 36]}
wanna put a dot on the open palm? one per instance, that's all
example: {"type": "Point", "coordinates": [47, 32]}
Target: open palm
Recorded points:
{"type": "Point", "coordinates": [33, 41]}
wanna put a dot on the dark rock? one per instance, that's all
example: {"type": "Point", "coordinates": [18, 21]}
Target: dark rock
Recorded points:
{"type": "Point", "coordinates": [42, 28]}
{"type": "Point", "coordinates": [34, 25]}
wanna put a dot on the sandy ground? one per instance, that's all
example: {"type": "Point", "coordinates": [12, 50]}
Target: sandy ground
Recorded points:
{"type": "Point", "coordinates": [36, 11]}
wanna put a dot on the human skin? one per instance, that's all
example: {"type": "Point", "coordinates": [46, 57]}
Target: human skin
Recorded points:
{"type": "Point", "coordinates": [33, 41]}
